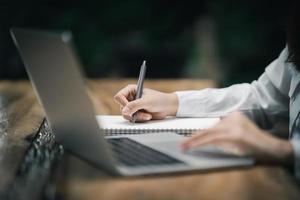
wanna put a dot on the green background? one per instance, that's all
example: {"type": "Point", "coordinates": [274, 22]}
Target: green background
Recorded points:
{"type": "Point", "coordinates": [114, 37]}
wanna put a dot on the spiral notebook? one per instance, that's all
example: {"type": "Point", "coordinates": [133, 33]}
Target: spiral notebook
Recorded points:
{"type": "Point", "coordinates": [116, 124]}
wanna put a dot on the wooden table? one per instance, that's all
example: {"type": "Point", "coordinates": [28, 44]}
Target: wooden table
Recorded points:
{"type": "Point", "coordinates": [21, 116]}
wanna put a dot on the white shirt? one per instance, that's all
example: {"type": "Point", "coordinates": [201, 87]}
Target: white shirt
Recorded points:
{"type": "Point", "coordinates": [273, 97]}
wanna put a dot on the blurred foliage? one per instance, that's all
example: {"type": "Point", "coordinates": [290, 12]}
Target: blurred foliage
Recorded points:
{"type": "Point", "coordinates": [113, 37]}
{"type": "Point", "coordinates": [251, 34]}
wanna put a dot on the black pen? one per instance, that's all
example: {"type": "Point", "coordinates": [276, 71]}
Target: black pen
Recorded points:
{"type": "Point", "coordinates": [140, 85]}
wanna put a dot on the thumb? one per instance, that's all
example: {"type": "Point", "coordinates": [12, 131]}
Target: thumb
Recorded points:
{"type": "Point", "coordinates": [143, 116]}
{"type": "Point", "coordinates": [134, 106]}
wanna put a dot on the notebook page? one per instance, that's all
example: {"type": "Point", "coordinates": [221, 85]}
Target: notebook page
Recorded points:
{"type": "Point", "coordinates": [118, 123]}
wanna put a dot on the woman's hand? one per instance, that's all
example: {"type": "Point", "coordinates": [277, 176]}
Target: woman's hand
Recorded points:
{"type": "Point", "coordinates": [238, 135]}
{"type": "Point", "coordinates": [152, 105]}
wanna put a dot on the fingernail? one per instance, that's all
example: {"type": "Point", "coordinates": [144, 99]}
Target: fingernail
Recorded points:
{"type": "Point", "coordinates": [148, 117]}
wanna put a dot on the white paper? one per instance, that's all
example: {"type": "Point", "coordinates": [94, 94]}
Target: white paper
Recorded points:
{"type": "Point", "coordinates": [117, 122]}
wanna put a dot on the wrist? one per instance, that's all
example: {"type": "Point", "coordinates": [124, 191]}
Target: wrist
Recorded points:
{"type": "Point", "coordinates": [172, 106]}
{"type": "Point", "coordinates": [285, 152]}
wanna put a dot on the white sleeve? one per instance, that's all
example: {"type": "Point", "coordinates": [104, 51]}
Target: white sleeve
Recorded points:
{"type": "Point", "coordinates": [263, 99]}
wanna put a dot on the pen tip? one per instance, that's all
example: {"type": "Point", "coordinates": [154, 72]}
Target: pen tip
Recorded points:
{"type": "Point", "coordinates": [144, 62]}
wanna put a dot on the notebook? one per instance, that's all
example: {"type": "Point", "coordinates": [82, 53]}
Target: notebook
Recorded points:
{"type": "Point", "coordinates": [116, 124]}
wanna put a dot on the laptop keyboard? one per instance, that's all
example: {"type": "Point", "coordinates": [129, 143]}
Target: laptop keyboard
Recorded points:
{"type": "Point", "coordinates": [131, 153]}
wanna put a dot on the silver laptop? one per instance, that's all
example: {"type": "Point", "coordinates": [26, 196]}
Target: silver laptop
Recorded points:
{"type": "Point", "coordinates": [54, 71]}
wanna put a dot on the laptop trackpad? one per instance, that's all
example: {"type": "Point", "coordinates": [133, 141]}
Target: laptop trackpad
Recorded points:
{"type": "Point", "coordinates": [201, 158]}
{"type": "Point", "coordinates": [169, 143]}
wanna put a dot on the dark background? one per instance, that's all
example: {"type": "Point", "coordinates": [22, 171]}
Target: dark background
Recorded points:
{"type": "Point", "coordinates": [227, 40]}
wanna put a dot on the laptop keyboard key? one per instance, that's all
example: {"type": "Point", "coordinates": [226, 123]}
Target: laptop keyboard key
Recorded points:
{"type": "Point", "coordinates": [131, 153]}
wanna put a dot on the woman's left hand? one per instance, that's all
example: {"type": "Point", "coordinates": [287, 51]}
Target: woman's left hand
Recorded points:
{"type": "Point", "coordinates": [238, 135]}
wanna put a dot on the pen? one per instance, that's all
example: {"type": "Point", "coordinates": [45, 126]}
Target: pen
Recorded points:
{"type": "Point", "coordinates": [139, 90]}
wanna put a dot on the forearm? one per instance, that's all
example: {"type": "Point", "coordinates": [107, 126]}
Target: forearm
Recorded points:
{"type": "Point", "coordinates": [172, 104]}
{"type": "Point", "coordinates": [216, 102]}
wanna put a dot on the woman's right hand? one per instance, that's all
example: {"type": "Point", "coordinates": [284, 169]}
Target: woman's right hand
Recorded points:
{"type": "Point", "coordinates": [152, 105]}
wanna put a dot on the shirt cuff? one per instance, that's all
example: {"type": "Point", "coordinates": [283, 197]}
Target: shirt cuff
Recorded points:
{"type": "Point", "coordinates": [296, 146]}
{"type": "Point", "coordinates": [181, 105]}
{"type": "Point", "coordinates": [188, 104]}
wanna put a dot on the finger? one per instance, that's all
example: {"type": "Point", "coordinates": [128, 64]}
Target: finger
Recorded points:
{"type": "Point", "coordinates": [195, 136]}
{"type": "Point", "coordinates": [134, 106]}
{"type": "Point", "coordinates": [210, 140]}
{"type": "Point", "coordinates": [127, 117]}
{"type": "Point", "coordinates": [141, 116]}
{"type": "Point", "coordinates": [231, 147]}
{"type": "Point", "coordinates": [120, 99]}
{"type": "Point", "coordinates": [226, 146]}
{"type": "Point", "coordinates": [158, 115]}
{"type": "Point", "coordinates": [125, 95]}
{"type": "Point", "coordinates": [209, 137]}
{"type": "Point", "coordinates": [219, 127]}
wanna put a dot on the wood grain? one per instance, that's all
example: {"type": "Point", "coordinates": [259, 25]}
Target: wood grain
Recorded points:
{"type": "Point", "coordinates": [255, 183]}
{"type": "Point", "coordinates": [21, 115]}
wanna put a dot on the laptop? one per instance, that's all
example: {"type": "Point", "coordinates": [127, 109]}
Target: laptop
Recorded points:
{"type": "Point", "coordinates": [55, 74]}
